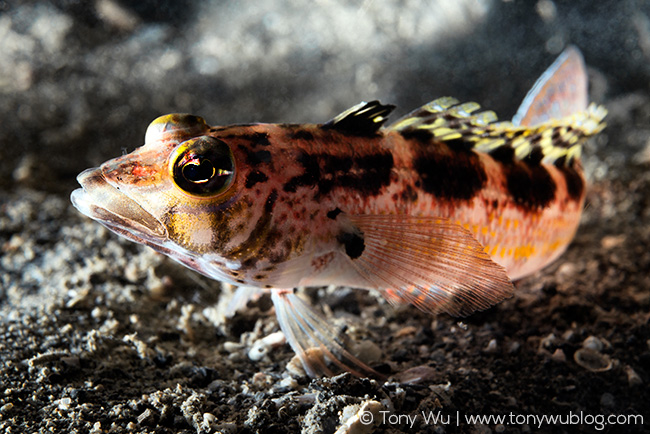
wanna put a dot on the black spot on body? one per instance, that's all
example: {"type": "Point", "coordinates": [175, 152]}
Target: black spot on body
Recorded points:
{"type": "Point", "coordinates": [353, 243]}
{"type": "Point", "coordinates": [334, 213]}
{"type": "Point", "coordinates": [448, 174]}
{"type": "Point", "coordinates": [255, 177]}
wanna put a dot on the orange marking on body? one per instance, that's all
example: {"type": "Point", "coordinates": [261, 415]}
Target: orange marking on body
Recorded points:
{"type": "Point", "coordinates": [140, 171]}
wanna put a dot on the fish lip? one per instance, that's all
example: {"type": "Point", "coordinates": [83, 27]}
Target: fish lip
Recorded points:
{"type": "Point", "coordinates": [106, 203]}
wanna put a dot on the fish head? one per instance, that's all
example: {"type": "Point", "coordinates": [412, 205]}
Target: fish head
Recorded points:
{"type": "Point", "coordinates": [179, 193]}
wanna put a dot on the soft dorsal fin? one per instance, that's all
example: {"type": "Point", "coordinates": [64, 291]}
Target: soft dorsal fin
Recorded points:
{"type": "Point", "coordinates": [559, 92]}
{"type": "Point", "coordinates": [363, 119]}
{"type": "Point", "coordinates": [554, 118]}
{"type": "Point", "coordinates": [445, 120]}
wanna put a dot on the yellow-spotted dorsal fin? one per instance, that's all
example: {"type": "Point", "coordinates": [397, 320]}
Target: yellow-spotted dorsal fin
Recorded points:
{"type": "Point", "coordinates": [558, 140]}
{"type": "Point", "coordinates": [551, 124]}
{"type": "Point", "coordinates": [365, 118]}
{"type": "Point", "coordinates": [445, 118]}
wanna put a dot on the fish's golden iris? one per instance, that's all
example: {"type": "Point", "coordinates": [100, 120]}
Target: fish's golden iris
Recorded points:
{"type": "Point", "coordinates": [203, 166]}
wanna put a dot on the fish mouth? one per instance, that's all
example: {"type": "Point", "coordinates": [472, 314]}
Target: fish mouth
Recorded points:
{"type": "Point", "coordinates": [105, 203]}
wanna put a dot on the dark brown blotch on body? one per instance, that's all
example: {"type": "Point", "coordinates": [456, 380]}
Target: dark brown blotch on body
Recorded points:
{"type": "Point", "coordinates": [530, 186]}
{"type": "Point", "coordinates": [424, 137]}
{"type": "Point", "coordinates": [255, 139]}
{"type": "Point", "coordinates": [527, 180]}
{"type": "Point", "coordinates": [301, 135]}
{"type": "Point", "coordinates": [309, 177]}
{"type": "Point", "coordinates": [367, 174]}
{"type": "Point", "coordinates": [449, 174]}
{"type": "Point", "coordinates": [575, 183]}
{"type": "Point", "coordinates": [255, 158]}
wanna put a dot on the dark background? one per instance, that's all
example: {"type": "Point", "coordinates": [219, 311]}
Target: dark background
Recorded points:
{"type": "Point", "coordinates": [98, 333]}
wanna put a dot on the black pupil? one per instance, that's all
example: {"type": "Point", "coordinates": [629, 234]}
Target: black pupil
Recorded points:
{"type": "Point", "coordinates": [199, 170]}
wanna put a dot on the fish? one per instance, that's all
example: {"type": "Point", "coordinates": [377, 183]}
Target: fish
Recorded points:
{"type": "Point", "coordinates": [442, 209]}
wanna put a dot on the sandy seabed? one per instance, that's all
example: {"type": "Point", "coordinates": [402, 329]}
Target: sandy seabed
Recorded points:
{"type": "Point", "coordinates": [98, 334]}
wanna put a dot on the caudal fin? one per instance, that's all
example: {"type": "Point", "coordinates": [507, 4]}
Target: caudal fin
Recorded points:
{"type": "Point", "coordinates": [559, 92]}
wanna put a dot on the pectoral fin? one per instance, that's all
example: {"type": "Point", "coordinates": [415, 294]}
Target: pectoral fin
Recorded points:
{"type": "Point", "coordinates": [432, 263]}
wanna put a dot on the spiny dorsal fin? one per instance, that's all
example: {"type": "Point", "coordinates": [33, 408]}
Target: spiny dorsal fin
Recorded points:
{"type": "Point", "coordinates": [445, 119]}
{"type": "Point", "coordinates": [363, 119]}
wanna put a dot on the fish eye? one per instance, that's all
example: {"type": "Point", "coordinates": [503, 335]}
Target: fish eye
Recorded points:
{"type": "Point", "coordinates": [203, 166]}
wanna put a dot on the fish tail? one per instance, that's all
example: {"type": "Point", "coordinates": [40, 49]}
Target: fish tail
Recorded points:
{"type": "Point", "coordinates": [561, 91]}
